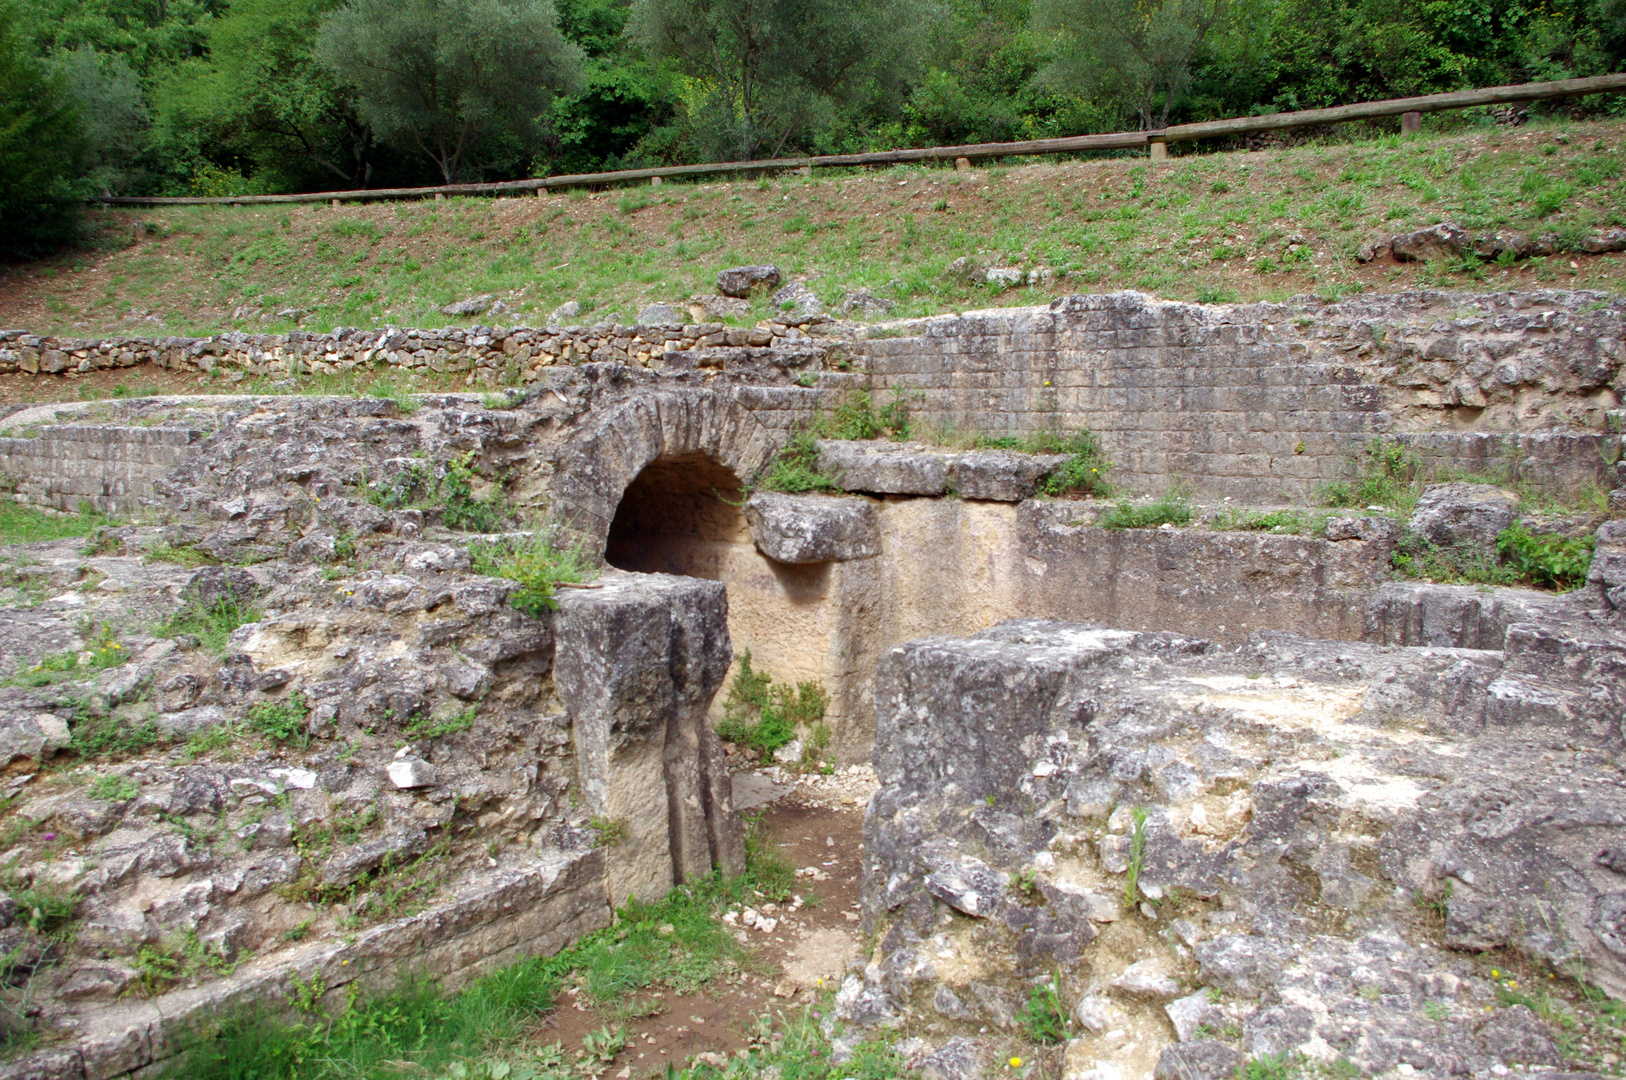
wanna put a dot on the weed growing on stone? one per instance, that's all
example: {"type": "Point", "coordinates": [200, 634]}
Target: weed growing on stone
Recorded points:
{"type": "Point", "coordinates": [1043, 1018]}
{"type": "Point", "coordinates": [177, 959]}
{"type": "Point", "coordinates": [795, 469]}
{"type": "Point", "coordinates": [1388, 474]}
{"type": "Point", "coordinates": [181, 555]}
{"type": "Point", "coordinates": [447, 490]}
{"type": "Point", "coordinates": [282, 721]}
{"type": "Point", "coordinates": [433, 727]}
{"type": "Point", "coordinates": [1534, 560]}
{"type": "Point", "coordinates": [216, 739]}
{"type": "Point", "coordinates": [1137, 857]}
{"type": "Point", "coordinates": [212, 625]}
{"type": "Point", "coordinates": [538, 562]}
{"type": "Point", "coordinates": [1171, 509]}
{"type": "Point", "coordinates": [607, 831]}
{"type": "Point", "coordinates": [108, 735]}
{"type": "Point", "coordinates": [764, 716]}
{"type": "Point", "coordinates": [113, 789]}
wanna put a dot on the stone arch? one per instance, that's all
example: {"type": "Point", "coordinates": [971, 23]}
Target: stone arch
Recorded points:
{"type": "Point", "coordinates": [671, 426]}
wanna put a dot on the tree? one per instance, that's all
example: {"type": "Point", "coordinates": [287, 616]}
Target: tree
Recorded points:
{"type": "Point", "coordinates": [261, 92]}
{"type": "Point", "coordinates": [454, 80]}
{"type": "Point", "coordinates": [765, 74]}
{"type": "Point", "coordinates": [1139, 52]}
{"type": "Point", "coordinates": [112, 113]}
{"type": "Point", "coordinates": [41, 147]}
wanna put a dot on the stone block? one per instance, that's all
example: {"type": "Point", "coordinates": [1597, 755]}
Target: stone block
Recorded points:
{"type": "Point", "coordinates": [637, 662]}
{"type": "Point", "coordinates": [813, 528]}
{"type": "Point", "coordinates": [884, 468]}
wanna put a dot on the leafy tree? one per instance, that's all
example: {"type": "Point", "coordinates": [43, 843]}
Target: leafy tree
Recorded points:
{"type": "Point", "coordinates": [454, 80]}
{"type": "Point", "coordinates": [41, 146]}
{"type": "Point", "coordinates": [112, 113]}
{"type": "Point", "coordinates": [151, 34]}
{"type": "Point", "coordinates": [766, 74]}
{"type": "Point", "coordinates": [623, 98]}
{"type": "Point", "coordinates": [1139, 52]}
{"type": "Point", "coordinates": [261, 92]}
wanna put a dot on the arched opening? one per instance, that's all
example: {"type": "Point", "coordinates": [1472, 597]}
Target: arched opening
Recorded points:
{"type": "Point", "coordinates": [680, 515]}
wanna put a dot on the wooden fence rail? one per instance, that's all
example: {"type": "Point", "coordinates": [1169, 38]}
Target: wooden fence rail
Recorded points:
{"type": "Point", "coordinates": [1155, 140]}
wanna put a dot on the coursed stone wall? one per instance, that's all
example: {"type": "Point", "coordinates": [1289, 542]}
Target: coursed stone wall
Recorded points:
{"type": "Point", "coordinates": [110, 467]}
{"type": "Point", "coordinates": [1266, 402]}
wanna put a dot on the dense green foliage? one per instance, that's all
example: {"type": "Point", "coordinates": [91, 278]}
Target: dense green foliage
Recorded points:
{"type": "Point", "coordinates": [765, 716]}
{"type": "Point", "coordinates": [244, 96]}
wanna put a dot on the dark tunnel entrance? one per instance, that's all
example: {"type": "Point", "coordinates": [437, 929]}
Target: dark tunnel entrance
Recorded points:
{"type": "Point", "coordinates": [678, 516]}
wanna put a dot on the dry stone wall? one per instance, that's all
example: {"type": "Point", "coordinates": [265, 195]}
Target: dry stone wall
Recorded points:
{"type": "Point", "coordinates": [488, 353]}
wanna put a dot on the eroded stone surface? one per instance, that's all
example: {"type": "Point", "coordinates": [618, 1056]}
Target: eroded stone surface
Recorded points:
{"type": "Point", "coordinates": [813, 528]}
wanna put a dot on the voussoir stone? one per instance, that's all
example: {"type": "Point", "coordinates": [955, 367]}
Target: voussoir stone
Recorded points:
{"type": "Point", "coordinates": [1458, 513]}
{"type": "Point", "coordinates": [738, 281]}
{"type": "Point", "coordinates": [813, 528]}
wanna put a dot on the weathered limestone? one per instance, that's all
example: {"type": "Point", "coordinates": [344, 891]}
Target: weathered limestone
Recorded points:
{"type": "Point", "coordinates": [1452, 616]}
{"type": "Point", "coordinates": [909, 469]}
{"type": "Point", "coordinates": [1458, 513]}
{"type": "Point", "coordinates": [813, 528]}
{"type": "Point", "coordinates": [1301, 799]}
{"type": "Point", "coordinates": [638, 660]}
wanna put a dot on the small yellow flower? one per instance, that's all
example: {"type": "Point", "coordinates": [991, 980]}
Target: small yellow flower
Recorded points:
{"type": "Point", "coordinates": [1016, 1063]}
{"type": "Point", "coordinates": [1512, 984]}
{"type": "Point", "coordinates": [1495, 974]}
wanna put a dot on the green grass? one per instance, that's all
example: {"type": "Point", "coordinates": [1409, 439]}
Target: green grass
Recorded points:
{"type": "Point", "coordinates": [113, 789]}
{"type": "Point", "coordinates": [1171, 509]}
{"type": "Point", "coordinates": [25, 525]}
{"type": "Point", "coordinates": [488, 1030]}
{"type": "Point", "coordinates": [1205, 225]}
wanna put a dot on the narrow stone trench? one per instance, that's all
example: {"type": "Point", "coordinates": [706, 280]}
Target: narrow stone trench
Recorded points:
{"type": "Point", "coordinates": [815, 824]}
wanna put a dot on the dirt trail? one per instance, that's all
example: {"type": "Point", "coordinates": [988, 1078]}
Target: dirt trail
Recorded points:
{"type": "Point", "coordinates": [805, 947]}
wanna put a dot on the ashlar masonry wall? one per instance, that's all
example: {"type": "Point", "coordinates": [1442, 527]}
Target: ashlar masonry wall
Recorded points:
{"type": "Point", "coordinates": [1267, 402]}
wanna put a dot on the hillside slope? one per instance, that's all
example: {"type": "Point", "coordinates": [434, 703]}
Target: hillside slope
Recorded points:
{"type": "Point", "coordinates": [1207, 227]}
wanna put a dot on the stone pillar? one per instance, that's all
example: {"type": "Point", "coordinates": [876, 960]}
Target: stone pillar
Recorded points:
{"type": "Point", "coordinates": [1411, 123]}
{"type": "Point", "coordinates": [637, 662]}
{"type": "Point", "coordinates": [1159, 150]}
{"type": "Point", "coordinates": [962, 164]}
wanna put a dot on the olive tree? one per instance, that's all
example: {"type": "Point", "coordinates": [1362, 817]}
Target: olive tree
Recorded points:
{"type": "Point", "coordinates": [42, 147]}
{"type": "Point", "coordinates": [451, 79]}
{"type": "Point", "coordinates": [1138, 52]}
{"type": "Point", "coordinates": [763, 74]}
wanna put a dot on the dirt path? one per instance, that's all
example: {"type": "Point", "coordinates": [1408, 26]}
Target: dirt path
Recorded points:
{"type": "Point", "coordinates": [793, 950]}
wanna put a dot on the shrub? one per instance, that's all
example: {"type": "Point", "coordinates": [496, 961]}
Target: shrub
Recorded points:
{"type": "Point", "coordinates": [42, 147]}
{"type": "Point", "coordinates": [1546, 560]}
{"type": "Point", "coordinates": [761, 715]}
{"type": "Point", "coordinates": [537, 563]}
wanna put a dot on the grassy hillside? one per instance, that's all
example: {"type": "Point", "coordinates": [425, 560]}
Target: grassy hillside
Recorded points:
{"type": "Point", "coordinates": [1202, 227]}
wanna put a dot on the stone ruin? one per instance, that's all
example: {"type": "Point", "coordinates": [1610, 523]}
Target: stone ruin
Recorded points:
{"type": "Point", "coordinates": [1240, 792]}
